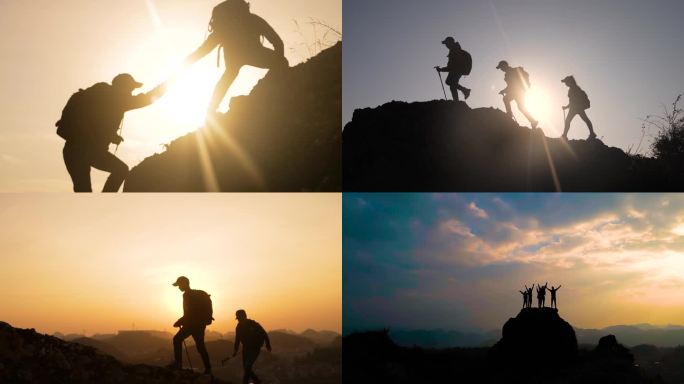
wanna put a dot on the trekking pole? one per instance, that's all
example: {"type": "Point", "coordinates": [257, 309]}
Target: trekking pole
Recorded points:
{"type": "Point", "coordinates": [442, 84]}
{"type": "Point", "coordinates": [188, 354]}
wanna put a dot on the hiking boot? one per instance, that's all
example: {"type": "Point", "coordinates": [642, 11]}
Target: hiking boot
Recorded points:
{"type": "Point", "coordinates": [466, 93]}
{"type": "Point", "coordinates": [591, 136]}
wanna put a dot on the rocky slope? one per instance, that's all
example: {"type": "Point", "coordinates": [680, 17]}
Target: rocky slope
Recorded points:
{"type": "Point", "coordinates": [29, 357]}
{"type": "Point", "coordinates": [284, 136]}
{"type": "Point", "coordinates": [447, 146]}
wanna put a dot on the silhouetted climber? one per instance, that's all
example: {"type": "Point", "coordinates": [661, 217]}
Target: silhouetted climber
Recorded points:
{"type": "Point", "coordinates": [530, 291]}
{"type": "Point", "coordinates": [553, 296]}
{"type": "Point", "coordinates": [91, 120]}
{"type": "Point", "coordinates": [197, 314]}
{"type": "Point", "coordinates": [524, 293]}
{"type": "Point", "coordinates": [460, 63]}
{"type": "Point", "coordinates": [252, 336]}
{"type": "Point", "coordinates": [541, 295]}
{"type": "Point", "coordinates": [579, 103]}
{"type": "Point", "coordinates": [517, 82]}
{"type": "Point", "coordinates": [238, 31]}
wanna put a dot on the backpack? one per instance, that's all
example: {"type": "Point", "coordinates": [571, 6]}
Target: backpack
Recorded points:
{"type": "Point", "coordinates": [467, 63]}
{"type": "Point", "coordinates": [253, 334]}
{"type": "Point", "coordinates": [202, 307]}
{"type": "Point", "coordinates": [522, 74]}
{"type": "Point", "coordinates": [582, 99]}
{"type": "Point", "coordinates": [83, 107]}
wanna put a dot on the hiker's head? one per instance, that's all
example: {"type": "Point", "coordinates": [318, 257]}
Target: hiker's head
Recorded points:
{"type": "Point", "coordinates": [125, 83]}
{"type": "Point", "coordinates": [182, 283]}
{"type": "Point", "coordinates": [569, 81]}
{"type": "Point", "coordinates": [227, 12]}
{"type": "Point", "coordinates": [240, 314]}
{"type": "Point", "coordinates": [503, 65]}
{"type": "Point", "coordinates": [450, 42]}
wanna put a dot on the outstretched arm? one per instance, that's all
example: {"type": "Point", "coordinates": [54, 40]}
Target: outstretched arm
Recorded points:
{"type": "Point", "coordinates": [238, 340]}
{"type": "Point", "coordinates": [209, 44]}
{"type": "Point", "coordinates": [145, 99]}
{"type": "Point", "coordinates": [558, 287]}
{"type": "Point", "coordinates": [266, 339]}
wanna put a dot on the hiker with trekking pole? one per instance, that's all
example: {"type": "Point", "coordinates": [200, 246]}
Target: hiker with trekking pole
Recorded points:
{"type": "Point", "coordinates": [579, 103]}
{"type": "Point", "coordinates": [459, 64]}
{"type": "Point", "coordinates": [92, 120]}
{"type": "Point", "coordinates": [197, 315]}
{"type": "Point", "coordinates": [253, 337]}
{"type": "Point", "coordinates": [517, 83]}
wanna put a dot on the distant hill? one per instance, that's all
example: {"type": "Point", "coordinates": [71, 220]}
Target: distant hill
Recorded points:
{"type": "Point", "coordinates": [447, 146]}
{"type": "Point", "coordinates": [438, 338]}
{"type": "Point", "coordinates": [284, 136]}
{"type": "Point", "coordinates": [632, 335]}
{"type": "Point", "coordinates": [320, 337]}
{"type": "Point", "coordinates": [27, 357]}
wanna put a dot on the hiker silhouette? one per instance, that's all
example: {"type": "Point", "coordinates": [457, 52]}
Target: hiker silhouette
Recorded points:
{"type": "Point", "coordinates": [517, 82]}
{"type": "Point", "coordinates": [238, 31]}
{"type": "Point", "coordinates": [91, 120]}
{"type": "Point", "coordinates": [197, 314]}
{"type": "Point", "coordinates": [541, 295]}
{"type": "Point", "coordinates": [459, 64]}
{"type": "Point", "coordinates": [578, 104]}
{"type": "Point", "coordinates": [252, 336]}
{"type": "Point", "coordinates": [529, 295]}
{"type": "Point", "coordinates": [553, 296]}
{"type": "Point", "coordinates": [524, 293]}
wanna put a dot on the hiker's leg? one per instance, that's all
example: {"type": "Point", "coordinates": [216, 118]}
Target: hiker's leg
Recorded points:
{"type": "Point", "coordinates": [584, 117]}
{"type": "Point", "coordinates": [182, 334]}
{"type": "Point", "coordinates": [523, 109]}
{"type": "Point", "coordinates": [224, 83]}
{"type": "Point", "coordinates": [507, 102]}
{"type": "Point", "coordinates": [454, 92]}
{"type": "Point", "coordinates": [568, 120]}
{"type": "Point", "coordinates": [267, 59]}
{"type": "Point", "coordinates": [78, 167]}
{"type": "Point", "coordinates": [198, 336]}
{"type": "Point", "coordinates": [118, 170]}
{"type": "Point", "coordinates": [249, 357]}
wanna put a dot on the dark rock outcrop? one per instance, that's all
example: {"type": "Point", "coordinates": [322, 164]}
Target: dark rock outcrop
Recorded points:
{"type": "Point", "coordinates": [446, 146]}
{"type": "Point", "coordinates": [284, 136]}
{"type": "Point", "coordinates": [29, 357]}
{"type": "Point", "coordinates": [536, 335]}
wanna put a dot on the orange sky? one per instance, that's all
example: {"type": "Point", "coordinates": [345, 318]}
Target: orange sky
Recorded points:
{"type": "Point", "coordinates": [100, 264]}
{"type": "Point", "coordinates": [51, 49]}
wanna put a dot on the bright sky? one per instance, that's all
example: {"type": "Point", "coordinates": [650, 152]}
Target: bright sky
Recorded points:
{"type": "Point", "coordinates": [457, 261]}
{"type": "Point", "coordinates": [100, 264]}
{"type": "Point", "coordinates": [626, 54]}
{"type": "Point", "coordinates": [51, 49]}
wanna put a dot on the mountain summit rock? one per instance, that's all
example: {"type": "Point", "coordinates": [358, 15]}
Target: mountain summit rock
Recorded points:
{"type": "Point", "coordinates": [285, 136]}
{"type": "Point", "coordinates": [447, 146]}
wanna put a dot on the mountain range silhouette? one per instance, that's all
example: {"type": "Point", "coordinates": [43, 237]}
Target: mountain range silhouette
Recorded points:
{"type": "Point", "coordinates": [537, 346]}
{"type": "Point", "coordinates": [284, 136]}
{"type": "Point", "coordinates": [447, 146]}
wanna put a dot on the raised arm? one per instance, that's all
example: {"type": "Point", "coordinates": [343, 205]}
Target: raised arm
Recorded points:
{"type": "Point", "coordinates": [145, 99]}
{"type": "Point", "coordinates": [558, 287]}
{"type": "Point", "coordinates": [209, 44]}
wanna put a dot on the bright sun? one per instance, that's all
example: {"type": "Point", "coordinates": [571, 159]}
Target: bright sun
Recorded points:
{"type": "Point", "coordinates": [187, 99]}
{"type": "Point", "coordinates": [539, 104]}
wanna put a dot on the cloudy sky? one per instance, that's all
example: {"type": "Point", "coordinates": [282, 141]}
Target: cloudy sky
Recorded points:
{"type": "Point", "coordinates": [457, 261]}
{"type": "Point", "coordinates": [98, 264]}
{"type": "Point", "coordinates": [626, 54]}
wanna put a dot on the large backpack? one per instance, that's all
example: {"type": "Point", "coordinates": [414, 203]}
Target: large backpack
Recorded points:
{"type": "Point", "coordinates": [253, 335]}
{"type": "Point", "coordinates": [582, 99]}
{"type": "Point", "coordinates": [467, 63]}
{"type": "Point", "coordinates": [202, 309]}
{"type": "Point", "coordinates": [78, 120]}
{"type": "Point", "coordinates": [522, 74]}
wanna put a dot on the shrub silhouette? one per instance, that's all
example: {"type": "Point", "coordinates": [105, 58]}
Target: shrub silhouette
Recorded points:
{"type": "Point", "coordinates": [668, 145]}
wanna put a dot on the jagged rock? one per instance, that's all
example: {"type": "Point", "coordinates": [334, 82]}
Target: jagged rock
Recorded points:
{"type": "Point", "coordinates": [539, 335]}
{"type": "Point", "coordinates": [284, 136]}
{"type": "Point", "coordinates": [447, 146]}
{"type": "Point", "coordinates": [29, 357]}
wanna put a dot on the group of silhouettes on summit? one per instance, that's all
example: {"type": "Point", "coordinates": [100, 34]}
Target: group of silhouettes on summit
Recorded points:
{"type": "Point", "coordinates": [517, 80]}
{"type": "Point", "coordinates": [527, 294]}
{"type": "Point", "coordinates": [93, 117]}
{"type": "Point", "coordinates": [198, 314]}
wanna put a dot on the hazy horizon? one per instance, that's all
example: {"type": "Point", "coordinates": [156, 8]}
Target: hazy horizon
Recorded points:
{"type": "Point", "coordinates": [457, 261]}
{"type": "Point", "coordinates": [626, 55]}
{"type": "Point", "coordinates": [99, 264]}
{"type": "Point", "coordinates": [51, 49]}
